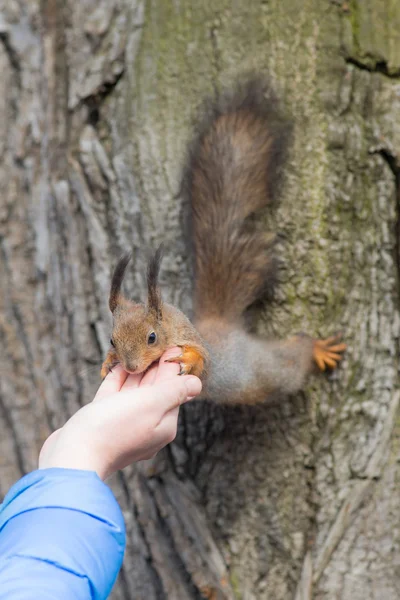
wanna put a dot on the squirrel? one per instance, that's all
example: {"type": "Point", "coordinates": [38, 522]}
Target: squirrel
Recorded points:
{"type": "Point", "coordinates": [233, 172]}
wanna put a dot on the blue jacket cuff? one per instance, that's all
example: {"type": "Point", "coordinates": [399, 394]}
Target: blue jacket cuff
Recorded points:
{"type": "Point", "coordinates": [69, 518]}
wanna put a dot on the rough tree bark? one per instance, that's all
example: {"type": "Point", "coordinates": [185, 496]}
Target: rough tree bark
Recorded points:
{"type": "Point", "coordinates": [300, 500]}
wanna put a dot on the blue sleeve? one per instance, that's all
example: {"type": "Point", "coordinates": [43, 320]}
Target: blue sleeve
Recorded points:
{"type": "Point", "coordinates": [62, 535]}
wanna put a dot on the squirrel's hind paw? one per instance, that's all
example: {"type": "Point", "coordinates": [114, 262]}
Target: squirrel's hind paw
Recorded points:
{"type": "Point", "coordinates": [327, 353]}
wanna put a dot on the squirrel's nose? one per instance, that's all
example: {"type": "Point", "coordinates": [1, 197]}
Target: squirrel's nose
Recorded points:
{"type": "Point", "coordinates": [131, 367]}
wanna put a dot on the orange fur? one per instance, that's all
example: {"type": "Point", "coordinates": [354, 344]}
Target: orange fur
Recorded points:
{"type": "Point", "coordinates": [133, 323]}
{"type": "Point", "coordinates": [110, 362]}
{"type": "Point", "coordinates": [191, 360]}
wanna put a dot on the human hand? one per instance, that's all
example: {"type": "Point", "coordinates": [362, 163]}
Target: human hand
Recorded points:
{"type": "Point", "coordinates": [130, 419]}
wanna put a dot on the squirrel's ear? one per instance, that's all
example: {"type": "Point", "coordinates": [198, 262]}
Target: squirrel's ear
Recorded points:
{"type": "Point", "coordinates": [116, 281]}
{"type": "Point", "coordinates": [154, 301]}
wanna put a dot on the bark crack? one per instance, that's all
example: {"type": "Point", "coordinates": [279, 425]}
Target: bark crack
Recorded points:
{"type": "Point", "coordinates": [393, 162]}
{"type": "Point", "coordinates": [187, 578]}
{"type": "Point", "coordinates": [380, 66]}
{"type": "Point", "coordinates": [16, 67]}
{"type": "Point", "coordinates": [94, 101]}
{"type": "Point", "coordinates": [12, 55]}
{"type": "Point", "coordinates": [20, 328]}
{"type": "Point", "coordinates": [311, 573]}
{"type": "Point", "coordinates": [156, 580]}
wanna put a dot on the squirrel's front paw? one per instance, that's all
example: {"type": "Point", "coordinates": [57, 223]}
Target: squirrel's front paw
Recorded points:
{"type": "Point", "coordinates": [110, 362]}
{"type": "Point", "coordinates": [191, 361]}
{"type": "Point", "coordinates": [327, 353]}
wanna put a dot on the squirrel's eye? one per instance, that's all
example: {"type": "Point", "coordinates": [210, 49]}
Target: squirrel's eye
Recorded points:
{"type": "Point", "coordinates": [112, 343]}
{"type": "Point", "coordinates": [152, 338]}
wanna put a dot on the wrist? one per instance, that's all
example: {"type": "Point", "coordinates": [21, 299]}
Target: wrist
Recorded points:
{"type": "Point", "coordinates": [62, 453]}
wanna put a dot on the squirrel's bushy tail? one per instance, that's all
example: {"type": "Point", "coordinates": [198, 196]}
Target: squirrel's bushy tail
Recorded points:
{"type": "Point", "coordinates": [233, 172]}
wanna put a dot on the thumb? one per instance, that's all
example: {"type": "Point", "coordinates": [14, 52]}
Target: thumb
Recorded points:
{"type": "Point", "coordinates": [170, 393]}
{"type": "Point", "coordinates": [112, 383]}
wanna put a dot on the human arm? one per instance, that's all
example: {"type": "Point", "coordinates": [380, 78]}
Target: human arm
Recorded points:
{"type": "Point", "coordinates": [61, 530]}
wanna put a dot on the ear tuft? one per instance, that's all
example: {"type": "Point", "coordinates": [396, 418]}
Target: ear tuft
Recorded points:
{"type": "Point", "coordinates": [154, 294]}
{"type": "Point", "coordinates": [116, 281]}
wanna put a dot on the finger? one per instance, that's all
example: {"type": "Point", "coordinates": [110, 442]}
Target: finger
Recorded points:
{"type": "Point", "coordinates": [167, 394]}
{"type": "Point", "coordinates": [166, 370]}
{"type": "Point", "coordinates": [193, 386]}
{"type": "Point", "coordinates": [132, 382]}
{"type": "Point", "coordinates": [112, 383]}
{"type": "Point", "coordinates": [150, 375]}
{"type": "Point", "coordinates": [177, 390]}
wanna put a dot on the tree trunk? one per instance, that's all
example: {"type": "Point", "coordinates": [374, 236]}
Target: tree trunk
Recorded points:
{"type": "Point", "coordinates": [98, 97]}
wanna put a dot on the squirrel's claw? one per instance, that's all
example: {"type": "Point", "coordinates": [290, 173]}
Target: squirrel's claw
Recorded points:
{"type": "Point", "coordinates": [190, 360]}
{"type": "Point", "coordinates": [185, 369]}
{"type": "Point", "coordinates": [327, 353]}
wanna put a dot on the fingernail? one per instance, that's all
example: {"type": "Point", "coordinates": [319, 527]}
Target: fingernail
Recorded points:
{"type": "Point", "coordinates": [193, 386]}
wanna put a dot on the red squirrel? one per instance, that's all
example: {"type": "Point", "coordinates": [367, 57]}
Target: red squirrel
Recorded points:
{"type": "Point", "coordinates": [233, 173]}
